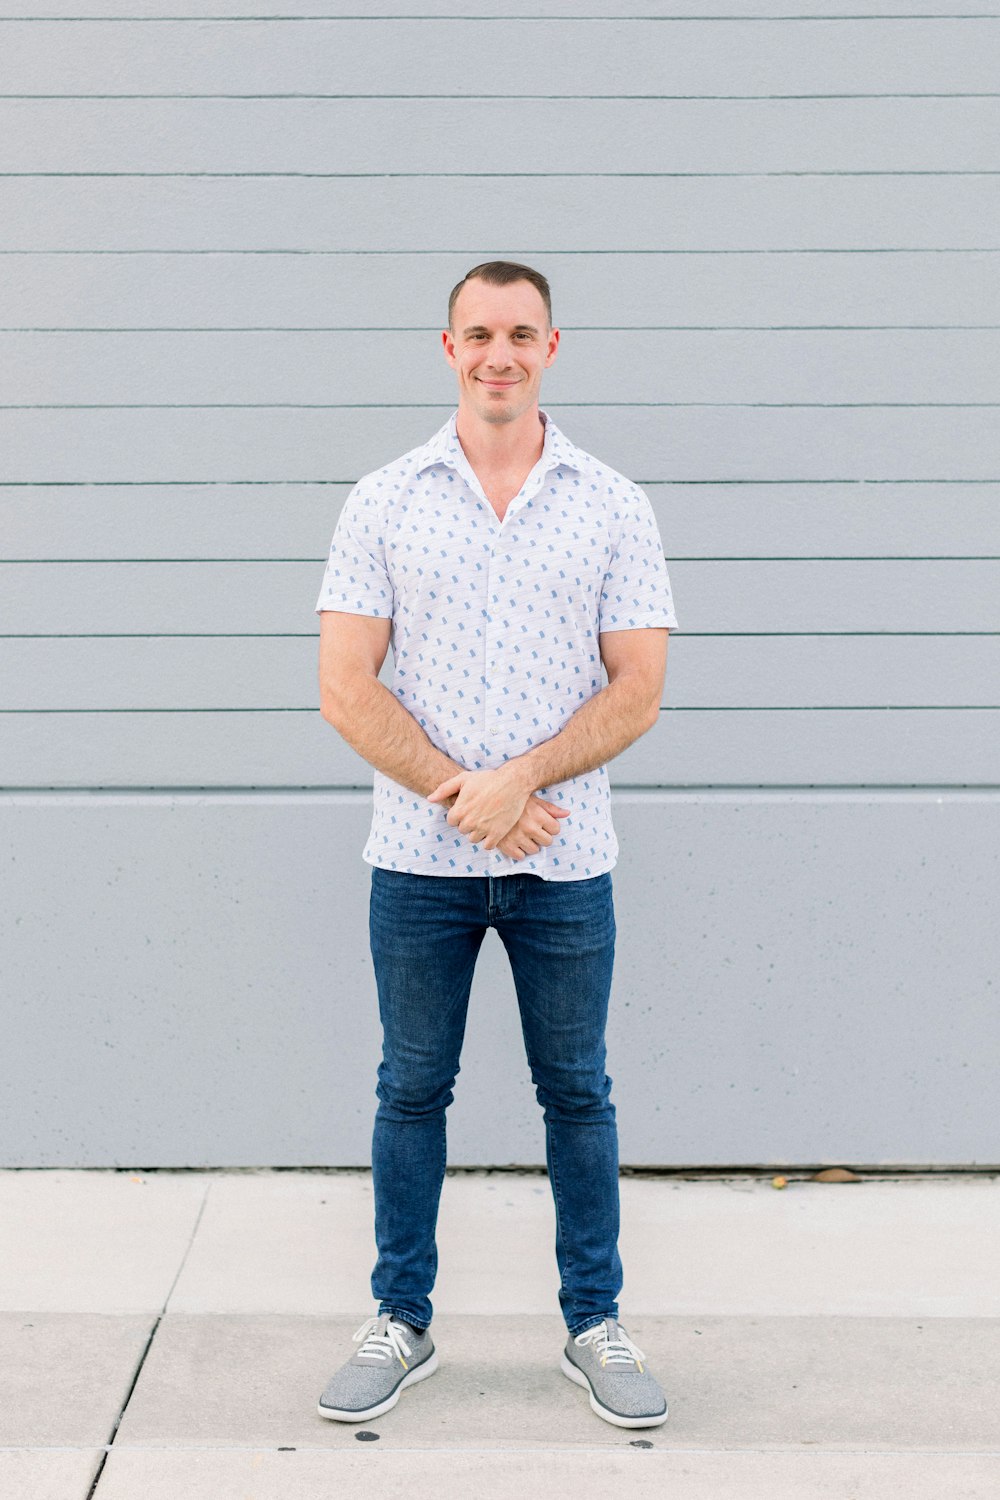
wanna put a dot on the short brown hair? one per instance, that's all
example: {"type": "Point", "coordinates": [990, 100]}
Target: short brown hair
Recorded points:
{"type": "Point", "coordinates": [502, 273]}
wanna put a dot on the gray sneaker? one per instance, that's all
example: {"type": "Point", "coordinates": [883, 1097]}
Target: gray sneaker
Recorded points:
{"type": "Point", "coordinates": [392, 1355]}
{"type": "Point", "coordinates": [604, 1360]}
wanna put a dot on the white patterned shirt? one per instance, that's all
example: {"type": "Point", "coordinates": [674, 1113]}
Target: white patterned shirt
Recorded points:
{"type": "Point", "coordinates": [495, 630]}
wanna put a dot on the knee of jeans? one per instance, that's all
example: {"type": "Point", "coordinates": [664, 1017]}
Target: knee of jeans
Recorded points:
{"type": "Point", "coordinates": [576, 1095]}
{"type": "Point", "coordinates": [413, 1093]}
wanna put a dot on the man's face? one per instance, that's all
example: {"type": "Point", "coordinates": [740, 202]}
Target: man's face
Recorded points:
{"type": "Point", "coordinates": [499, 344]}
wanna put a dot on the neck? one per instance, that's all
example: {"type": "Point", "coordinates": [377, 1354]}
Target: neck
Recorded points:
{"type": "Point", "coordinates": [507, 445]}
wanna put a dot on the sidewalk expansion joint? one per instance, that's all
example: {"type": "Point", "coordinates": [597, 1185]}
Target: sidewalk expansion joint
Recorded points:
{"type": "Point", "coordinates": [148, 1345]}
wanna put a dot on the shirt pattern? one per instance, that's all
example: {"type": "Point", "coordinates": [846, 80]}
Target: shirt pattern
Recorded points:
{"type": "Point", "coordinates": [494, 629]}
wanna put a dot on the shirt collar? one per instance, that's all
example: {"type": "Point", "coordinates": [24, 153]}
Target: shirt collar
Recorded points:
{"type": "Point", "coordinates": [444, 448]}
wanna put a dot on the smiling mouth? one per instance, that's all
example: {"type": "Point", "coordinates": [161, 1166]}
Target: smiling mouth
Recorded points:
{"type": "Point", "coordinates": [498, 385]}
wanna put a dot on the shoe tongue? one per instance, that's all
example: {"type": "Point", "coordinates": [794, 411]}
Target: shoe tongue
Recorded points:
{"type": "Point", "coordinates": [378, 1331]}
{"type": "Point", "coordinates": [615, 1334]}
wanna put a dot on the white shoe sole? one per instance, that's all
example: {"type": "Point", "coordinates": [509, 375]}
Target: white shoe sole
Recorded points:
{"type": "Point", "coordinates": [420, 1373]}
{"type": "Point", "coordinates": [579, 1378]}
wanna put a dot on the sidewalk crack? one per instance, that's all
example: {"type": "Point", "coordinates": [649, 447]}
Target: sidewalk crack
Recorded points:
{"type": "Point", "coordinates": [149, 1344]}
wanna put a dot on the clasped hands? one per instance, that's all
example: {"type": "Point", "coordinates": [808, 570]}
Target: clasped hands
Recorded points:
{"type": "Point", "coordinates": [492, 809]}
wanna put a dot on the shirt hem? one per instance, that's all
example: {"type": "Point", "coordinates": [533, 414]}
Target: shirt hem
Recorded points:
{"type": "Point", "coordinates": [497, 874]}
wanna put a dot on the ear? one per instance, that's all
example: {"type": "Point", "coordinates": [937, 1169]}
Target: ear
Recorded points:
{"type": "Point", "coordinates": [553, 347]}
{"type": "Point", "coordinates": [449, 346]}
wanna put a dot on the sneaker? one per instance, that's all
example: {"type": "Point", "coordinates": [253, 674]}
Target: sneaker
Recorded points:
{"type": "Point", "coordinates": [604, 1360]}
{"type": "Point", "coordinates": [392, 1355]}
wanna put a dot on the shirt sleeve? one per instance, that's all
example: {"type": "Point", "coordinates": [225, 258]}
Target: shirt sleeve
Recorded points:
{"type": "Point", "coordinates": [356, 579]}
{"type": "Point", "coordinates": [636, 592]}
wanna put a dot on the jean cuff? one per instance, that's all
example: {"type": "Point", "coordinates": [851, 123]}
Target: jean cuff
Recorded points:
{"type": "Point", "coordinates": [591, 1322]}
{"type": "Point", "coordinates": [406, 1317]}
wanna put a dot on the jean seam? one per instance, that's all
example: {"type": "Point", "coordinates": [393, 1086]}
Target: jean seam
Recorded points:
{"type": "Point", "coordinates": [557, 1198]}
{"type": "Point", "coordinates": [441, 1181]}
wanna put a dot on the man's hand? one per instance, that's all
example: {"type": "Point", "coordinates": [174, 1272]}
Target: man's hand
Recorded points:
{"type": "Point", "coordinates": [488, 804]}
{"type": "Point", "coordinates": [537, 826]}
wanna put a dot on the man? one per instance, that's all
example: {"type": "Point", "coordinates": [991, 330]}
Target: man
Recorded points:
{"type": "Point", "coordinates": [505, 566]}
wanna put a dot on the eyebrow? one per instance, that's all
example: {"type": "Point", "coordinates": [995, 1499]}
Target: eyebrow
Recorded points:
{"type": "Point", "coordinates": [518, 328]}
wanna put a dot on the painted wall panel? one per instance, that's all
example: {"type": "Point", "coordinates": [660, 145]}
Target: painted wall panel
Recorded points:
{"type": "Point", "coordinates": [177, 961]}
{"type": "Point", "coordinates": [952, 367]}
{"type": "Point", "coordinates": [399, 135]}
{"type": "Point", "coordinates": [725, 597]}
{"type": "Point", "coordinates": [561, 9]}
{"type": "Point", "coordinates": [687, 747]}
{"type": "Point", "coordinates": [565, 213]}
{"type": "Point", "coordinates": [280, 521]}
{"type": "Point", "coordinates": [177, 445]}
{"type": "Point", "coordinates": [660, 288]}
{"type": "Point", "coordinates": [718, 672]}
{"type": "Point", "coordinates": [602, 55]}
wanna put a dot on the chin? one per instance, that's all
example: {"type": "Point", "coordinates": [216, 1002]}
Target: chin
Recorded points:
{"type": "Point", "coordinates": [499, 416]}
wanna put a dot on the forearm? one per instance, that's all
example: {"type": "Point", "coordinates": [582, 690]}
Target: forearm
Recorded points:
{"type": "Point", "coordinates": [375, 724]}
{"type": "Point", "coordinates": [601, 729]}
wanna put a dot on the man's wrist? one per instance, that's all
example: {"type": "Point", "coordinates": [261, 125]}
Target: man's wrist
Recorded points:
{"type": "Point", "coordinates": [523, 773]}
{"type": "Point", "coordinates": [443, 773]}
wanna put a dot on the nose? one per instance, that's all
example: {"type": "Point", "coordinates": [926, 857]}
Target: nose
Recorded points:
{"type": "Point", "coordinates": [499, 357]}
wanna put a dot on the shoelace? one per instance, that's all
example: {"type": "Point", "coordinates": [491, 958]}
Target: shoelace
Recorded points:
{"type": "Point", "coordinates": [389, 1344]}
{"type": "Point", "coordinates": [617, 1351]}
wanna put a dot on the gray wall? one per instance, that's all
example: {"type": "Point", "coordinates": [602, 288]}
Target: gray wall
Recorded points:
{"type": "Point", "coordinates": [225, 248]}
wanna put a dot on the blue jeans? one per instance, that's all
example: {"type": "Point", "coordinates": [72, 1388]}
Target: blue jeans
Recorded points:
{"type": "Point", "coordinates": [426, 931]}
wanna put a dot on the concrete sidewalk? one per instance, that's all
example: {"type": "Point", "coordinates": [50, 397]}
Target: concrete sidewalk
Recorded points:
{"type": "Point", "coordinates": [169, 1333]}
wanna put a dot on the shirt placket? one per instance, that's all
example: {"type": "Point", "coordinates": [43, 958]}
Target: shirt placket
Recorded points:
{"type": "Point", "coordinates": [494, 723]}
{"type": "Point", "coordinates": [492, 708]}
{"type": "Point", "coordinates": [502, 614]}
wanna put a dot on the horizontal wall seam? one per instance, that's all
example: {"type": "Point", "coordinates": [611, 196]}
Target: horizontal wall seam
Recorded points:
{"type": "Point", "coordinates": [756, 791]}
{"type": "Point", "coordinates": [142, 484]}
{"type": "Point", "coordinates": [437, 405]}
{"type": "Point", "coordinates": [544, 98]}
{"type": "Point", "coordinates": [517, 176]}
{"type": "Point", "coordinates": [505, 20]}
{"type": "Point", "coordinates": [538, 250]}
{"type": "Point", "coordinates": [632, 328]}
{"type": "Point", "coordinates": [675, 557]}
{"type": "Point", "coordinates": [309, 635]}
{"type": "Point", "coordinates": [715, 708]}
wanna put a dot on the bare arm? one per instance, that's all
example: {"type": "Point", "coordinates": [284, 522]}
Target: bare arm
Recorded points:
{"type": "Point", "coordinates": [352, 649]}
{"type": "Point", "coordinates": [636, 663]}
{"type": "Point", "coordinates": [372, 720]}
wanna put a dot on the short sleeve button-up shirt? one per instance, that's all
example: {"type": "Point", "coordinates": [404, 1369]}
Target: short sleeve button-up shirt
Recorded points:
{"type": "Point", "coordinates": [495, 628]}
